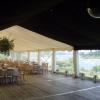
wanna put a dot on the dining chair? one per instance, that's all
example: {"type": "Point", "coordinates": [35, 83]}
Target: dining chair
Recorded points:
{"type": "Point", "coordinates": [2, 76]}
{"type": "Point", "coordinates": [9, 76]}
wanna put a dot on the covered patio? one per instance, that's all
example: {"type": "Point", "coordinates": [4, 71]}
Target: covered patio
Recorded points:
{"type": "Point", "coordinates": [43, 86]}
{"type": "Point", "coordinates": [28, 42]}
{"type": "Point", "coordinates": [49, 61]}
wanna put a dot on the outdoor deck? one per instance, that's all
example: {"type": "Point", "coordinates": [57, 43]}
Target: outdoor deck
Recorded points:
{"type": "Point", "coordinates": [51, 87]}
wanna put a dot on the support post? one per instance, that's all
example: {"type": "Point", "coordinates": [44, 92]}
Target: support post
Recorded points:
{"type": "Point", "coordinates": [12, 55]}
{"type": "Point", "coordinates": [28, 58]}
{"type": "Point", "coordinates": [38, 56]}
{"type": "Point", "coordinates": [53, 60]}
{"type": "Point", "coordinates": [76, 63]}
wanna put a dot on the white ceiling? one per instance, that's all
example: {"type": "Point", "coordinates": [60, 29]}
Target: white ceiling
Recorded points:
{"type": "Point", "coordinates": [26, 40]}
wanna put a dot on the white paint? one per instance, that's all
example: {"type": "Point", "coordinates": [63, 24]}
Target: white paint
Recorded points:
{"type": "Point", "coordinates": [38, 56]}
{"type": "Point", "coordinates": [76, 62]}
{"type": "Point", "coordinates": [53, 60]}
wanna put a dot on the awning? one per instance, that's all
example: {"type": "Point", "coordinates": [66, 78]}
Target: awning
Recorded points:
{"type": "Point", "coordinates": [26, 40]}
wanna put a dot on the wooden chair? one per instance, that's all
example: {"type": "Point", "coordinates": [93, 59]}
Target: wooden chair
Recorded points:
{"type": "Point", "coordinates": [2, 76]}
{"type": "Point", "coordinates": [9, 75]}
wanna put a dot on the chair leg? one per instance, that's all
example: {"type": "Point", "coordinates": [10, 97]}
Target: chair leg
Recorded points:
{"type": "Point", "coordinates": [11, 80]}
{"type": "Point", "coordinates": [0, 81]}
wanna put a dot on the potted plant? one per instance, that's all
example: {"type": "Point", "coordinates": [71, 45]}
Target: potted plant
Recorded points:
{"type": "Point", "coordinates": [66, 72]}
{"type": "Point", "coordinates": [6, 45]}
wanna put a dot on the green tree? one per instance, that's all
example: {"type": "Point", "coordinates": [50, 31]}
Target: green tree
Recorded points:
{"type": "Point", "coordinates": [96, 68]}
{"type": "Point", "coordinates": [6, 45]}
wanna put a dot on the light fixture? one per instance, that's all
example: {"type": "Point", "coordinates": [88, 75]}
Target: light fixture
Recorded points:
{"type": "Point", "coordinates": [92, 13]}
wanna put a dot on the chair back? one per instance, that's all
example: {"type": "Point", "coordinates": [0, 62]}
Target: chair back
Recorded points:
{"type": "Point", "coordinates": [2, 73]}
{"type": "Point", "coordinates": [9, 72]}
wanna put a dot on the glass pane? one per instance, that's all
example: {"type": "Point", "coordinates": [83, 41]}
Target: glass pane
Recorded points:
{"type": "Point", "coordinates": [33, 56]}
{"type": "Point", "coordinates": [64, 61]}
{"type": "Point", "coordinates": [3, 57]}
{"type": "Point", "coordinates": [89, 62]}
{"type": "Point", "coordinates": [24, 56]}
{"type": "Point", "coordinates": [46, 57]}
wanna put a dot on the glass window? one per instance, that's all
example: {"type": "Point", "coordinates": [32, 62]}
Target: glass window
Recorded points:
{"type": "Point", "coordinates": [33, 56]}
{"type": "Point", "coordinates": [89, 62]}
{"type": "Point", "coordinates": [24, 56]}
{"type": "Point", "coordinates": [64, 61]}
{"type": "Point", "coordinates": [46, 57]}
{"type": "Point", "coordinates": [2, 56]}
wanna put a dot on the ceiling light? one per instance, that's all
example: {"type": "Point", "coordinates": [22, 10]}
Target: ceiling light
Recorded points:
{"type": "Point", "coordinates": [92, 13]}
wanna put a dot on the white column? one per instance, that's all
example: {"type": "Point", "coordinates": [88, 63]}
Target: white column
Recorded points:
{"type": "Point", "coordinates": [28, 54]}
{"type": "Point", "coordinates": [38, 56]}
{"type": "Point", "coordinates": [12, 55]}
{"type": "Point", "coordinates": [76, 63]}
{"type": "Point", "coordinates": [18, 56]}
{"type": "Point", "coordinates": [15, 57]}
{"type": "Point", "coordinates": [53, 61]}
